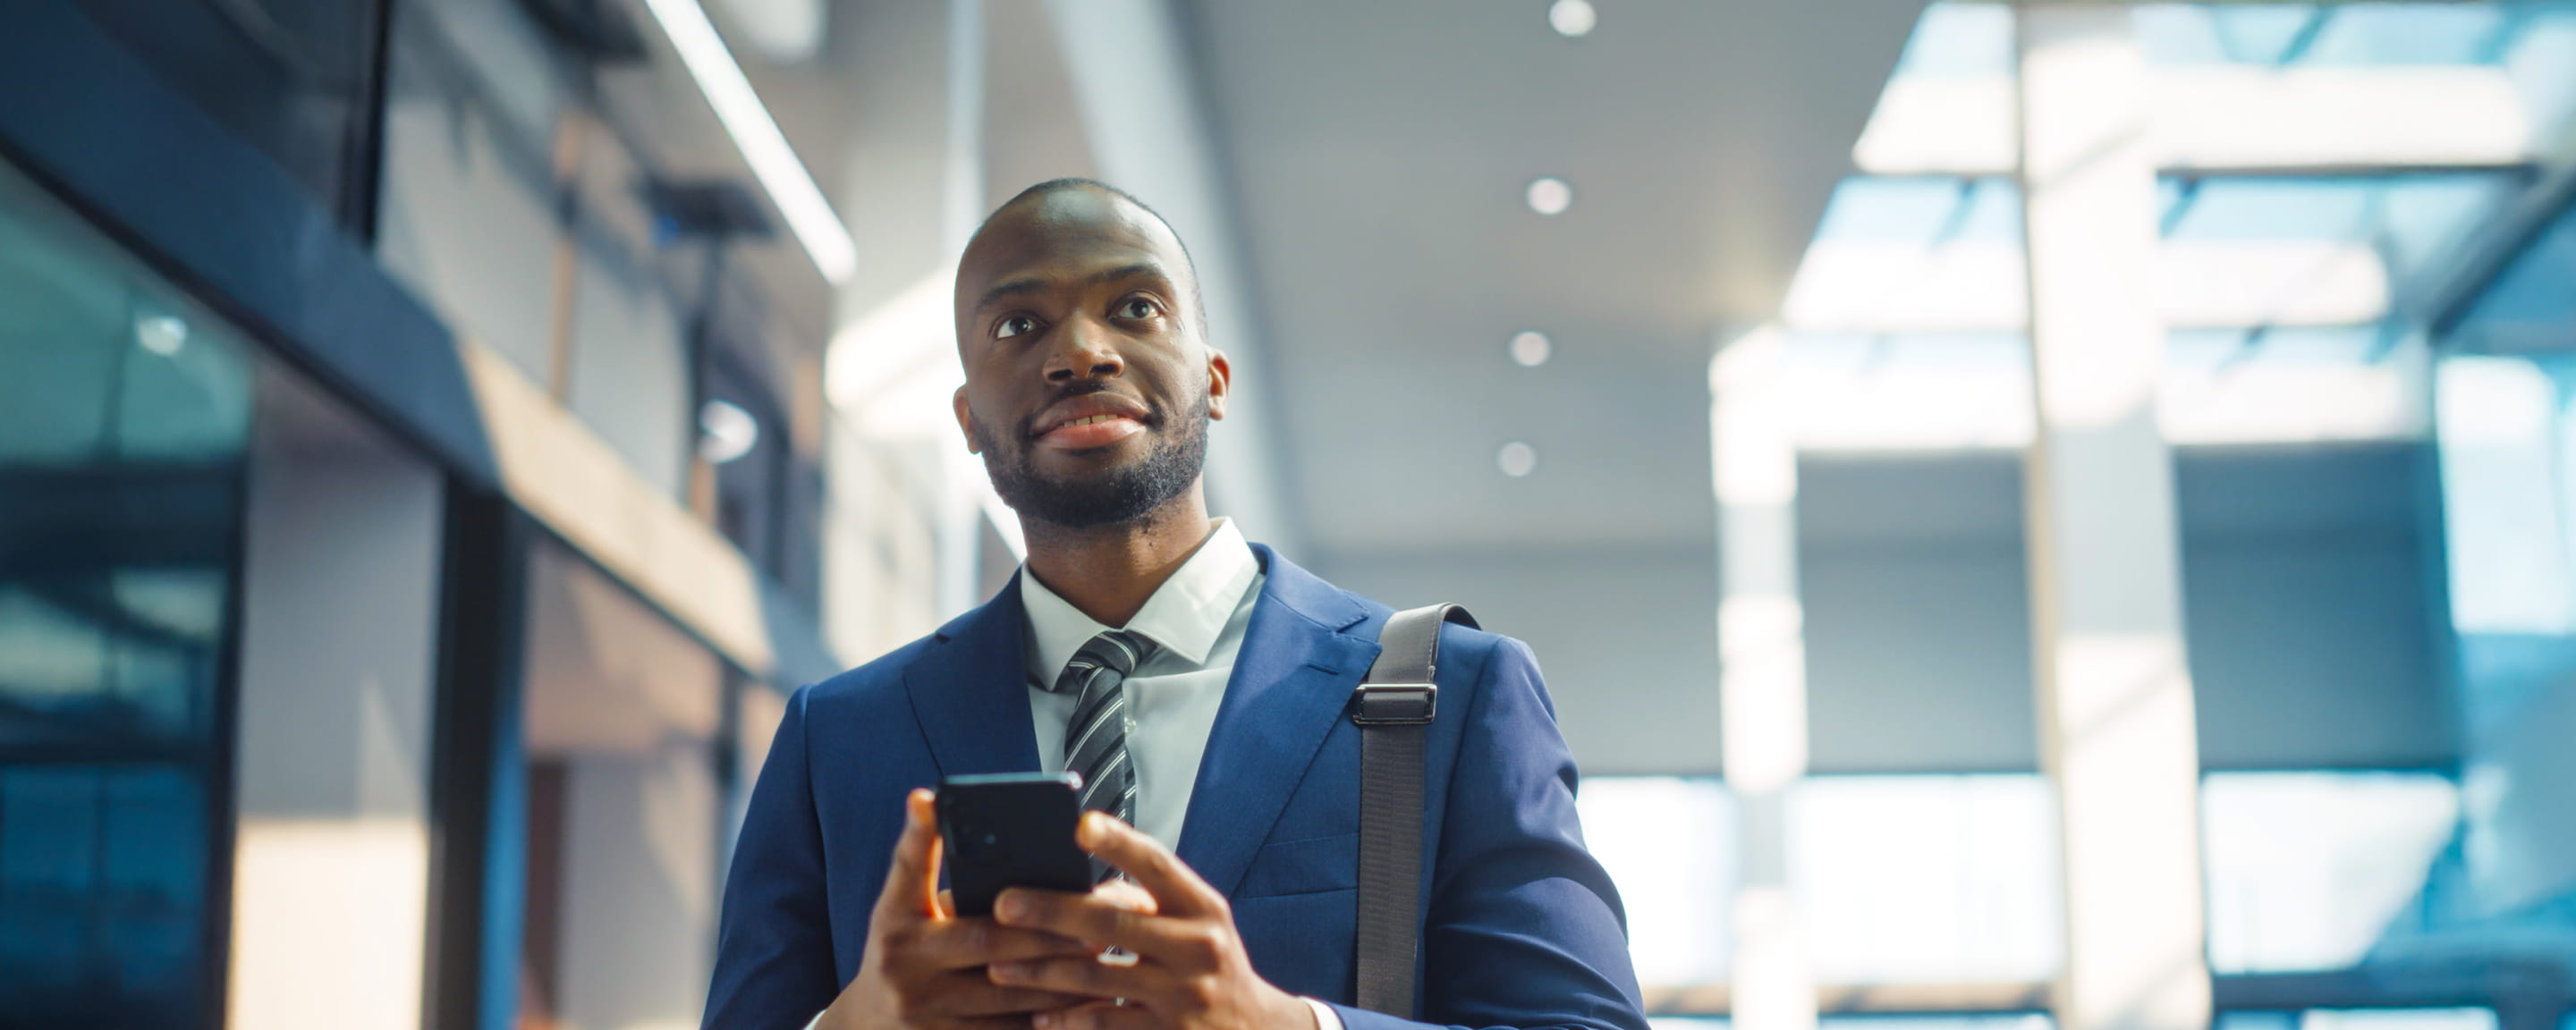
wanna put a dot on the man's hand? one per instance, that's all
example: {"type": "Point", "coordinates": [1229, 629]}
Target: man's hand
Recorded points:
{"type": "Point", "coordinates": [1190, 969]}
{"type": "Point", "coordinates": [922, 969]}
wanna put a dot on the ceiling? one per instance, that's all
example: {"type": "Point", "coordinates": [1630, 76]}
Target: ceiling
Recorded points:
{"type": "Point", "coordinates": [1379, 156]}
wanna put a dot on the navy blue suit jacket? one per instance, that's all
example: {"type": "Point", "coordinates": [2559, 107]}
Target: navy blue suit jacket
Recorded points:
{"type": "Point", "coordinates": [1520, 927]}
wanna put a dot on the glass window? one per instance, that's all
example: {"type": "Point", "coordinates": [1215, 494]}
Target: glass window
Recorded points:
{"type": "Point", "coordinates": [1916, 879]}
{"type": "Point", "coordinates": [2360, 1019]}
{"type": "Point", "coordinates": [2321, 33]}
{"type": "Point", "coordinates": [2411, 218]}
{"type": "Point", "coordinates": [2509, 529]}
{"type": "Point", "coordinates": [2530, 306]}
{"type": "Point", "coordinates": [2308, 871]}
{"type": "Point", "coordinates": [124, 414]}
{"type": "Point", "coordinates": [1941, 1021]}
{"type": "Point", "coordinates": [1954, 40]}
{"type": "Point", "coordinates": [1910, 256]}
{"type": "Point", "coordinates": [1670, 845]}
{"type": "Point", "coordinates": [1923, 209]}
{"type": "Point", "coordinates": [293, 78]}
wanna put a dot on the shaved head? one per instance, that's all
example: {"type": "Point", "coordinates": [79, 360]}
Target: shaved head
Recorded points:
{"type": "Point", "coordinates": [1041, 192]}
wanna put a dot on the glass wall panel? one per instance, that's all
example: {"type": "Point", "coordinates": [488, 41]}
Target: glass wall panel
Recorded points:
{"type": "Point", "coordinates": [2532, 305]}
{"type": "Point", "coordinates": [2319, 33]}
{"type": "Point", "coordinates": [124, 416]}
{"type": "Point", "coordinates": [1671, 846]}
{"type": "Point", "coordinates": [2508, 488]}
{"type": "Point", "coordinates": [2310, 871]}
{"type": "Point", "coordinates": [1926, 879]}
{"type": "Point", "coordinates": [2361, 1019]}
{"type": "Point", "coordinates": [294, 78]}
{"type": "Point", "coordinates": [1942, 1021]}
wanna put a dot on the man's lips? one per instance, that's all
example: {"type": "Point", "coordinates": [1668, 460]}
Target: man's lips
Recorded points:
{"type": "Point", "coordinates": [1093, 431]}
{"type": "Point", "coordinates": [1088, 421]}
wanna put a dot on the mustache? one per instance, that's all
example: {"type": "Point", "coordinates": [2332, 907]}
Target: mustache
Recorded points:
{"type": "Point", "coordinates": [1154, 413]}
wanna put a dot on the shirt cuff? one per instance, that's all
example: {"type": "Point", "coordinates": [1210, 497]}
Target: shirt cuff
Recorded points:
{"type": "Point", "coordinates": [816, 1021]}
{"type": "Point", "coordinates": [1325, 1017]}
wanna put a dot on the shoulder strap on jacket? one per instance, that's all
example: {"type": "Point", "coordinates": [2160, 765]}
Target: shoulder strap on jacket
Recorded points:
{"type": "Point", "coordinates": [1393, 708]}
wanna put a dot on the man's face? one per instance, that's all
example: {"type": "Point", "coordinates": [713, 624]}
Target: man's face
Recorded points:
{"type": "Point", "coordinates": [1088, 390]}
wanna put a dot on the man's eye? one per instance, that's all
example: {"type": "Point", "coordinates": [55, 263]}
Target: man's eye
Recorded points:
{"type": "Point", "coordinates": [1015, 325]}
{"type": "Point", "coordinates": [1137, 307]}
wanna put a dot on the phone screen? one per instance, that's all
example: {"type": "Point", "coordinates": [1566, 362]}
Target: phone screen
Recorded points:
{"type": "Point", "coordinates": [1010, 830]}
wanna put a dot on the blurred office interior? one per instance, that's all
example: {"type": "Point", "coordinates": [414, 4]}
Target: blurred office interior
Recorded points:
{"type": "Point", "coordinates": [2048, 515]}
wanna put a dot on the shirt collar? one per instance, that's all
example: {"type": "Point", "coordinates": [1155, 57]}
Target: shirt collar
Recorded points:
{"type": "Point", "coordinates": [1184, 617]}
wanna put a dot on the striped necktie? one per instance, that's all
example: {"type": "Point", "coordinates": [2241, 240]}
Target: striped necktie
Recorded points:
{"type": "Point", "coordinates": [1095, 739]}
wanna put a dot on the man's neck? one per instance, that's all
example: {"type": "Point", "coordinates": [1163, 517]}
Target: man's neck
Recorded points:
{"type": "Point", "coordinates": [1108, 572]}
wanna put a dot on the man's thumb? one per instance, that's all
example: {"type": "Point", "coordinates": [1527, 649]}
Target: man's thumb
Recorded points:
{"type": "Point", "coordinates": [912, 881]}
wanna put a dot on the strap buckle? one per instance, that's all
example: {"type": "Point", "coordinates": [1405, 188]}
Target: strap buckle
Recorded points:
{"type": "Point", "coordinates": [1394, 704]}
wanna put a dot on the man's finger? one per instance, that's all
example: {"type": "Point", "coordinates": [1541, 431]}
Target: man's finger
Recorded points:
{"type": "Point", "coordinates": [956, 944]}
{"type": "Point", "coordinates": [911, 880]}
{"type": "Point", "coordinates": [1099, 1015]}
{"type": "Point", "coordinates": [1009, 1022]}
{"type": "Point", "coordinates": [1177, 890]}
{"type": "Point", "coordinates": [1096, 920]}
{"type": "Point", "coordinates": [1126, 895]}
{"type": "Point", "coordinates": [971, 994]}
{"type": "Point", "coordinates": [1087, 977]}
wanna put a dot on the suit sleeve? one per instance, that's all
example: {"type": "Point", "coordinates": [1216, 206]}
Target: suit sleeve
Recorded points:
{"type": "Point", "coordinates": [774, 967]}
{"type": "Point", "coordinates": [1524, 929]}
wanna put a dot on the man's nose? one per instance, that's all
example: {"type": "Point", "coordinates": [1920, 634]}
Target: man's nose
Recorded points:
{"type": "Point", "coordinates": [1086, 352]}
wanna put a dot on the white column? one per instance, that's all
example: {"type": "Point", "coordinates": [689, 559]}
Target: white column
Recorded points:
{"type": "Point", "coordinates": [1762, 671]}
{"type": "Point", "coordinates": [330, 884]}
{"type": "Point", "coordinates": [2115, 698]}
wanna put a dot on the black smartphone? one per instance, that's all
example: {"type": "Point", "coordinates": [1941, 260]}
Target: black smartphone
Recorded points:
{"type": "Point", "coordinates": [1010, 830]}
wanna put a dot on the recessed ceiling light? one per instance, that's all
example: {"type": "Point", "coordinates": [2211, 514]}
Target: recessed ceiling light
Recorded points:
{"type": "Point", "coordinates": [1530, 349]}
{"type": "Point", "coordinates": [1571, 18]}
{"type": "Point", "coordinates": [161, 334]}
{"type": "Point", "coordinates": [1550, 196]}
{"type": "Point", "coordinates": [1517, 459]}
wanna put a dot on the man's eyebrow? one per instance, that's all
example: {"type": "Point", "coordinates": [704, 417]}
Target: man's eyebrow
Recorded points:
{"type": "Point", "coordinates": [1014, 288]}
{"type": "Point", "coordinates": [1128, 272]}
{"type": "Point", "coordinates": [1024, 287]}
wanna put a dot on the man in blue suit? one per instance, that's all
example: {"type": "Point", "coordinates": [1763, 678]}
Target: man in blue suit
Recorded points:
{"type": "Point", "coordinates": [1197, 681]}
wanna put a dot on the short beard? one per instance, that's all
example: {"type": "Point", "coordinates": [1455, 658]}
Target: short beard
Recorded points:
{"type": "Point", "coordinates": [1116, 496]}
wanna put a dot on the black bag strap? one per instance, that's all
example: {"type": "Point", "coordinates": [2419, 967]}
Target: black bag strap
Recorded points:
{"type": "Point", "coordinates": [1393, 708]}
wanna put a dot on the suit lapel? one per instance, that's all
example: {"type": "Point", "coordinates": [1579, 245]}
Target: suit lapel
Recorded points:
{"type": "Point", "coordinates": [1292, 681]}
{"type": "Point", "coordinates": [970, 691]}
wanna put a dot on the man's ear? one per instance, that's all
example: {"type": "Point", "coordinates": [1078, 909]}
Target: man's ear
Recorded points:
{"type": "Point", "coordinates": [1220, 382]}
{"type": "Point", "coordinates": [965, 420]}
